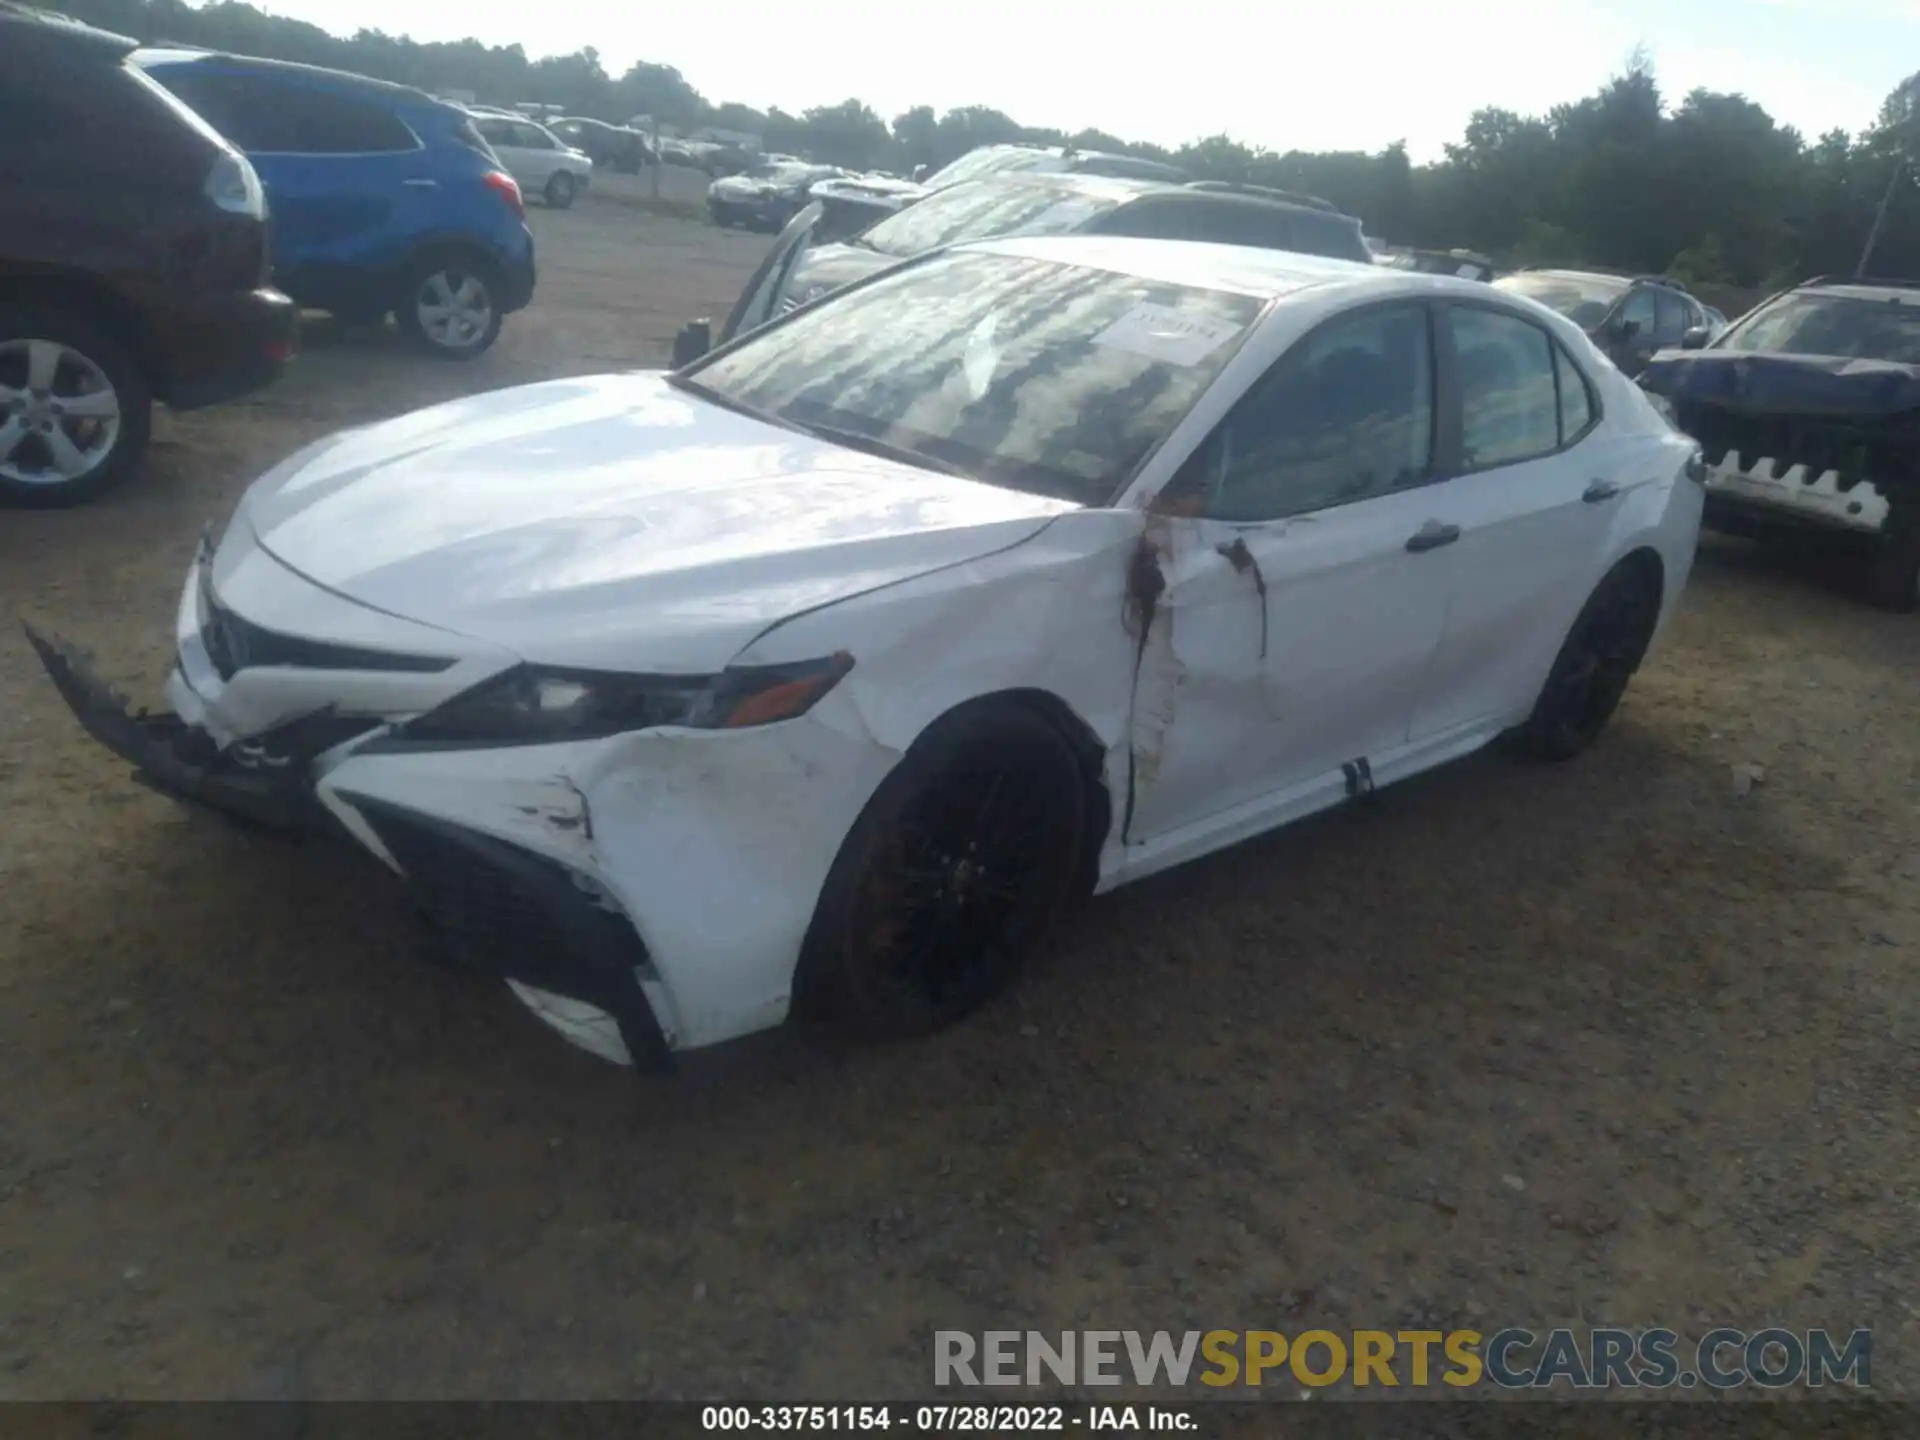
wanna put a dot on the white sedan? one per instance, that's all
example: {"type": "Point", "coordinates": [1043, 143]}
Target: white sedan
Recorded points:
{"type": "Point", "coordinates": [827, 669]}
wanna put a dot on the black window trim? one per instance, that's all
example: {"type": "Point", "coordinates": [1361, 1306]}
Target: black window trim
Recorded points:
{"type": "Point", "coordinates": [1447, 359]}
{"type": "Point", "coordinates": [1445, 417]}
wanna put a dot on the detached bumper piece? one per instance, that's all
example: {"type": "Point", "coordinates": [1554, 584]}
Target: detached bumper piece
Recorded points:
{"type": "Point", "coordinates": [514, 915]}
{"type": "Point", "coordinates": [263, 784]}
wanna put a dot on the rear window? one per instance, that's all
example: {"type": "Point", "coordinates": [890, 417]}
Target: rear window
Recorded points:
{"type": "Point", "coordinates": [985, 210]}
{"type": "Point", "coordinates": [266, 116]}
{"type": "Point", "coordinates": [1583, 299]}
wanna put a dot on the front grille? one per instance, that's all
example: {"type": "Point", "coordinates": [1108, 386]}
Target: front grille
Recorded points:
{"type": "Point", "coordinates": [505, 911]}
{"type": "Point", "coordinates": [235, 644]}
{"type": "Point", "coordinates": [1853, 450]}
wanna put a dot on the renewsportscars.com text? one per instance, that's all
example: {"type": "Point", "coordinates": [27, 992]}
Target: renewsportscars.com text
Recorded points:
{"type": "Point", "coordinates": [1602, 1358]}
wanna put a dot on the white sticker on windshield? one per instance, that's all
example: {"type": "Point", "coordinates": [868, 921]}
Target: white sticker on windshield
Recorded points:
{"type": "Point", "coordinates": [1159, 332]}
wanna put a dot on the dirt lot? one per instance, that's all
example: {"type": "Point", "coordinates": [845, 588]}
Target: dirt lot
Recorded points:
{"type": "Point", "coordinates": [1603, 1043]}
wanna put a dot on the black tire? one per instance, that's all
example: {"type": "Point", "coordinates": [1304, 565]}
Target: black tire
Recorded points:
{"type": "Point", "coordinates": [88, 354]}
{"type": "Point", "coordinates": [1598, 658]}
{"type": "Point", "coordinates": [453, 268]}
{"type": "Point", "coordinates": [560, 190]}
{"type": "Point", "coordinates": [1893, 575]}
{"type": "Point", "coordinates": [961, 861]}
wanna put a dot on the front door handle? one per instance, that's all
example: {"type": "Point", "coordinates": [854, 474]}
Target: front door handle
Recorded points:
{"type": "Point", "coordinates": [423, 184]}
{"type": "Point", "coordinates": [1599, 490]}
{"type": "Point", "coordinates": [1432, 535]}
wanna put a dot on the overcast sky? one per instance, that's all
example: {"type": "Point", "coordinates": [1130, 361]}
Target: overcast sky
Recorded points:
{"type": "Point", "coordinates": [1323, 75]}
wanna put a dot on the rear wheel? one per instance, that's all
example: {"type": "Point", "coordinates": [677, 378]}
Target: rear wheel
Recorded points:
{"type": "Point", "coordinates": [450, 306]}
{"type": "Point", "coordinates": [961, 860]}
{"type": "Point", "coordinates": [1596, 661]}
{"type": "Point", "coordinates": [560, 191]}
{"type": "Point", "coordinates": [75, 410]}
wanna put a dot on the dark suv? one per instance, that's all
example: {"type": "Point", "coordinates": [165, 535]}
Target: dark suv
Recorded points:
{"type": "Point", "coordinates": [129, 273]}
{"type": "Point", "coordinates": [1629, 317]}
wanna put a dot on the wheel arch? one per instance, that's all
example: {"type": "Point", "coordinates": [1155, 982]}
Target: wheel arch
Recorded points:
{"type": "Point", "coordinates": [1645, 563]}
{"type": "Point", "coordinates": [98, 305]}
{"type": "Point", "coordinates": [1089, 752]}
{"type": "Point", "coordinates": [443, 248]}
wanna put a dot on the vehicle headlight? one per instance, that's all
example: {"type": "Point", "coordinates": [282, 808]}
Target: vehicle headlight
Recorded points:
{"type": "Point", "coordinates": [534, 705]}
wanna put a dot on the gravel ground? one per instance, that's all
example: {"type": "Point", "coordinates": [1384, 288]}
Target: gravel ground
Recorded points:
{"type": "Point", "coordinates": [1625, 1041]}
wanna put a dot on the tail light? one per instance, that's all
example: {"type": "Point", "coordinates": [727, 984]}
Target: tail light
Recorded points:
{"type": "Point", "coordinates": [233, 186]}
{"type": "Point", "coordinates": [508, 189]}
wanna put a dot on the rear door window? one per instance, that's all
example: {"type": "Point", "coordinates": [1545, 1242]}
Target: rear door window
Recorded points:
{"type": "Point", "coordinates": [1672, 317]}
{"type": "Point", "coordinates": [269, 117]}
{"type": "Point", "coordinates": [1509, 395]}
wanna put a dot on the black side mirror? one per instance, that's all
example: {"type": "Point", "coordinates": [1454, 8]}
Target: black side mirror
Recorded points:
{"type": "Point", "coordinates": [1696, 338]}
{"type": "Point", "coordinates": [694, 340]}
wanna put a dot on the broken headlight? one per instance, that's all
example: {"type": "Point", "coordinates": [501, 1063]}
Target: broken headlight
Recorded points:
{"type": "Point", "coordinates": [533, 705]}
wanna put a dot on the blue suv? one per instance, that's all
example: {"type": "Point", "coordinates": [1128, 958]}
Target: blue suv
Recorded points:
{"type": "Point", "coordinates": [384, 199]}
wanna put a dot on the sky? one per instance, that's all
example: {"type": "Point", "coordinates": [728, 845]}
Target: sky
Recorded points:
{"type": "Point", "coordinates": [1321, 75]}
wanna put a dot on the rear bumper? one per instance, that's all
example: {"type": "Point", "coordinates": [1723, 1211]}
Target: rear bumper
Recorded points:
{"type": "Point", "coordinates": [228, 346]}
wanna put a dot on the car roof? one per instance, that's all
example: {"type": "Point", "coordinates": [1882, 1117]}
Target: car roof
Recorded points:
{"type": "Point", "coordinates": [1243, 269]}
{"type": "Point", "coordinates": [47, 32]}
{"type": "Point", "coordinates": [1121, 188]}
{"type": "Point", "coordinates": [291, 70]}
{"type": "Point", "coordinates": [1899, 292]}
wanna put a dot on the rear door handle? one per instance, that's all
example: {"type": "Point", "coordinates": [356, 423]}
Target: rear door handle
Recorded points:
{"type": "Point", "coordinates": [1599, 490]}
{"type": "Point", "coordinates": [423, 184]}
{"type": "Point", "coordinates": [1432, 535]}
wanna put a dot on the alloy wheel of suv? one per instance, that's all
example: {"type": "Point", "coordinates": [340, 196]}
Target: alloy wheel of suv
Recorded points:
{"type": "Point", "coordinates": [74, 410]}
{"type": "Point", "coordinates": [450, 310]}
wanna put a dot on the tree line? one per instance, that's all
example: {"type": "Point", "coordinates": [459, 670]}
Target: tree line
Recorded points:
{"type": "Point", "coordinates": [1711, 190]}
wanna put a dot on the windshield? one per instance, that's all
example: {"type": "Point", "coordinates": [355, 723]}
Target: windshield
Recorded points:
{"type": "Point", "coordinates": [1808, 324]}
{"type": "Point", "coordinates": [1052, 379]}
{"type": "Point", "coordinates": [984, 210]}
{"type": "Point", "coordinates": [1583, 299]}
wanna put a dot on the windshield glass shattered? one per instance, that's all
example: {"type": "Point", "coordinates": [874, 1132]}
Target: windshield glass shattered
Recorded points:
{"type": "Point", "coordinates": [1583, 299]}
{"type": "Point", "coordinates": [1053, 379]}
{"type": "Point", "coordinates": [1810, 324]}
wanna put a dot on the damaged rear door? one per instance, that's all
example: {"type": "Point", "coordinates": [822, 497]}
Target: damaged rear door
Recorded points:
{"type": "Point", "coordinates": [1289, 578]}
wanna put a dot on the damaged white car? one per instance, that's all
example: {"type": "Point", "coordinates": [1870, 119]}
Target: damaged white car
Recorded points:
{"type": "Point", "coordinates": [828, 668]}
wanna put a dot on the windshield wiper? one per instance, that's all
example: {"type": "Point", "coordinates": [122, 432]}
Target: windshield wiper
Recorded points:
{"type": "Point", "coordinates": [885, 449]}
{"type": "Point", "coordinates": [727, 402]}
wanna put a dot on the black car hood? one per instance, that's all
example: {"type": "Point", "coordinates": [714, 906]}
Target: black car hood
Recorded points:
{"type": "Point", "coordinates": [1811, 385]}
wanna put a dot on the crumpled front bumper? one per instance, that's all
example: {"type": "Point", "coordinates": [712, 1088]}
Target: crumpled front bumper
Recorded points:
{"type": "Point", "coordinates": [176, 759]}
{"type": "Point", "coordinates": [504, 911]}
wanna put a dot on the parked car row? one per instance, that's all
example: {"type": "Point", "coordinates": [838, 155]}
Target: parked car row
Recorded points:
{"type": "Point", "coordinates": [174, 271]}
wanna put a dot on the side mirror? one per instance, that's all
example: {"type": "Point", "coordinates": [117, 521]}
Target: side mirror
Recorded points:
{"type": "Point", "coordinates": [1696, 338]}
{"type": "Point", "coordinates": [694, 340]}
{"type": "Point", "coordinates": [919, 173]}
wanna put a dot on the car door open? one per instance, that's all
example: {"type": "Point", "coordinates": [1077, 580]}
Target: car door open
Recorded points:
{"type": "Point", "coordinates": [1302, 587]}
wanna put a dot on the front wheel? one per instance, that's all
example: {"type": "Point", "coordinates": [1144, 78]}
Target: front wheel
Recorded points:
{"type": "Point", "coordinates": [560, 191]}
{"type": "Point", "coordinates": [75, 409]}
{"type": "Point", "coordinates": [1893, 576]}
{"type": "Point", "coordinates": [450, 308]}
{"type": "Point", "coordinates": [961, 860]}
{"type": "Point", "coordinates": [1590, 674]}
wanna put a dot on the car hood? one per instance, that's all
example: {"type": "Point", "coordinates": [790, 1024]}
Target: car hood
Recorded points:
{"type": "Point", "coordinates": [1825, 385]}
{"type": "Point", "coordinates": [876, 190]}
{"type": "Point", "coordinates": [825, 268]}
{"type": "Point", "coordinates": [614, 520]}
